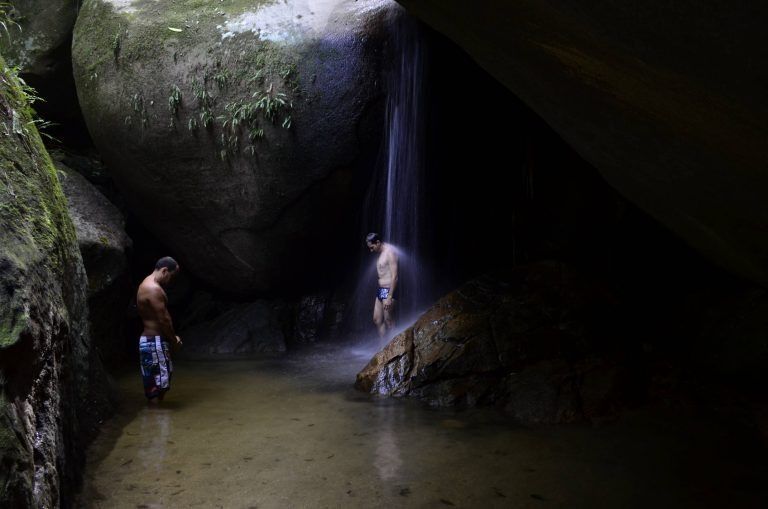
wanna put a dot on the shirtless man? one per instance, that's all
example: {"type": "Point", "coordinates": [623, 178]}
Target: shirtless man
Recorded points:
{"type": "Point", "coordinates": [154, 351]}
{"type": "Point", "coordinates": [386, 267]}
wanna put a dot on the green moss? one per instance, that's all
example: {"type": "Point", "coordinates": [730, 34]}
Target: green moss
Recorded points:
{"type": "Point", "coordinates": [97, 41]}
{"type": "Point", "coordinates": [212, 81]}
{"type": "Point", "coordinates": [12, 324]}
{"type": "Point", "coordinates": [34, 222]}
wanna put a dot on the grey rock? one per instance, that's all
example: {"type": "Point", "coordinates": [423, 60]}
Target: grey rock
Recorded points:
{"type": "Point", "coordinates": [100, 229]}
{"type": "Point", "coordinates": [40, 46]}
{"type": "Point", "coordinates": [235, 194]}
{"type": "Point", "coordinates": [43, 33]}
{"type": "Point", "coordinates": [310, 315]}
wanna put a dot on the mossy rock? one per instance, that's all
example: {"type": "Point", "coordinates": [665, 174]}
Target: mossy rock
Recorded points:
{"type": "Point", "coordinates": [46, 363]}
{"type": "Point", "coordinates": [236, 130]}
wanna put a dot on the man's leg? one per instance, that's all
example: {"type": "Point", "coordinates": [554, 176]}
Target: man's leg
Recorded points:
{"type": "Point", "coordinates": [389, 316]}
{"type": "Point", "coordinates": [378, 317]}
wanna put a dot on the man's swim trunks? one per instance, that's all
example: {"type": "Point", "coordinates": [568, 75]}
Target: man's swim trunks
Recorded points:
{"type": "Point", "coordinates": [156, 366]}
{"type": "Point", "coordinates": [382, 294]}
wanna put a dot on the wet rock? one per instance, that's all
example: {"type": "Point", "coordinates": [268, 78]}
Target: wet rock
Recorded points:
{"type": "Point", "coordinates": [660, 98]}
{"type": "Point", "coordinates": [243, 145]}
{"type": "Point", "coordinates": [524, 340]}
{"type": "Point", "coordinates": [310, 315]}
{"type": "Point", "coordinates": [335, 314]}
{"type": "Point", "coordinates": [51, 382]}
{"type": "Point", "coordinates": [248, 329]}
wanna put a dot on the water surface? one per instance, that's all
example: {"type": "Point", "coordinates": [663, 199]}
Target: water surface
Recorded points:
{"type": "Point", "coordinates": [293, 433]}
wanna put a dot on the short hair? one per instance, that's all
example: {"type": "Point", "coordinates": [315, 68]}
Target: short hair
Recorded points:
{"type": "Point", "coordinates": [168, 263]}
{"type": "Point", "coordinates": [372, 238]}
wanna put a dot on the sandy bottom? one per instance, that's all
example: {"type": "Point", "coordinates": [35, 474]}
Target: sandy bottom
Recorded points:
{"type": "Point", "coordinates": [293, 433]}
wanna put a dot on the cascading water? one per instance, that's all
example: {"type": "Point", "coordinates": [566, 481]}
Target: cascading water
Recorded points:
{"type": "Point", "coordinates": [396, 204]}
{"type": "Point", "coordinates": [405, 211]}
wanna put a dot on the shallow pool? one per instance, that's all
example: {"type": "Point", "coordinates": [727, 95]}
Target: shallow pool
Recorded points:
{"type": "Point", "coordinates": [294, 433]}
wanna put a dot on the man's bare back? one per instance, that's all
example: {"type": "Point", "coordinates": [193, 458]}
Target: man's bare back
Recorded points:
{"type": "Point", "coordinates": [152, 304]}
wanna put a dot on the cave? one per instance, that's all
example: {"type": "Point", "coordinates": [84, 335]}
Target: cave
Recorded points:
{"type": "Point", "coordinates": [421, 255]}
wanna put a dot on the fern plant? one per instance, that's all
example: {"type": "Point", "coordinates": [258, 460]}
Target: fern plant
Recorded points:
{"type": "Point", "coordinates": [6, 19]}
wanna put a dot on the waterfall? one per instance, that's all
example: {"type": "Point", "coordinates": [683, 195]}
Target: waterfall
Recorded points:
{"type": "Point", "coordinates": [405, 211]}
{"type": "Point", "coordinates": [396, 205]}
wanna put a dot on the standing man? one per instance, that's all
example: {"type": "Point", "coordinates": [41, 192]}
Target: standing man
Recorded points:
{"type": "Point", "coordinates": [154, 351]}
{"type": "Point", "coordinates": [386, 268]}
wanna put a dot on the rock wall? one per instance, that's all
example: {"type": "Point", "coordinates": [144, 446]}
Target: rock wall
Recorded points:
{"type": "Point", "coordinates": [50, 380]}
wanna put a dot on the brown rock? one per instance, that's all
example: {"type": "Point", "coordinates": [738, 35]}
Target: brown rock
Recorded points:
{"type": "Point", "coordinates": [523, 339]}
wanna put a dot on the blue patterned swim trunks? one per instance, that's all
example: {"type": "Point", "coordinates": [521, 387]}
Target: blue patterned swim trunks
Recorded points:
{"type": "Point", "coordinates": [382, 294]}
{"type": "Point", "coordinates": [156, 366]}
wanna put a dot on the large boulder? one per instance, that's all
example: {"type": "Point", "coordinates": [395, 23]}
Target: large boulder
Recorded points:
{"type": "Point", "coordinates": [50, 378]}
{"type": "Point", "coordinates": [100, 230]}
{"type": "Point", "coordinates": [235, 129]}
{"type": "Point", "coordinates": [665, 99]}
{"type": "Point", "coordinates": [529, 340]}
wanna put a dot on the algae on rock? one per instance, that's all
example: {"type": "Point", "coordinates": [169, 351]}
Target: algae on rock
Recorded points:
{"type": "Point", "coordinates": [48, 373]}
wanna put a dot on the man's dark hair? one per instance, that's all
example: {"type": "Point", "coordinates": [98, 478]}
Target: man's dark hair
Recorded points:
{"type": "Point", "coordinates": [372, 238]}
{"type": "Point", "coordinates": [167, 262]}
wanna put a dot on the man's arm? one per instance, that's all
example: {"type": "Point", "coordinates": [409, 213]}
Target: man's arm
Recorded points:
{"type": "Point", "coordinates": [159, 302]}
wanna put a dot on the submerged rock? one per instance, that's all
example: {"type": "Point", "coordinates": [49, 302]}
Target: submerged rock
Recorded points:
{"type": "Point", "coordinates": [665, 99]}
{"type": "Point", "coordinates": [51, 382]}
{"type": "Point", "coordinates": [235, 130]}
{"type": "Point", "coordinates": [524, 340]}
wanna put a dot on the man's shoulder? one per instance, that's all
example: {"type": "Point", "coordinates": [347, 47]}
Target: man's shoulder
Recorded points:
{"type": "Point", "coordinates": [150, 288]}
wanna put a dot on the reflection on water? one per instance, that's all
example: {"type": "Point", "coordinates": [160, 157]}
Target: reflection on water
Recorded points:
{"type": "Point", "coordinates": [155, 429]}
{"type": "Point", "coordinates": [293, 433]}
{"type": "Point", "coordinates": [387, 460]}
